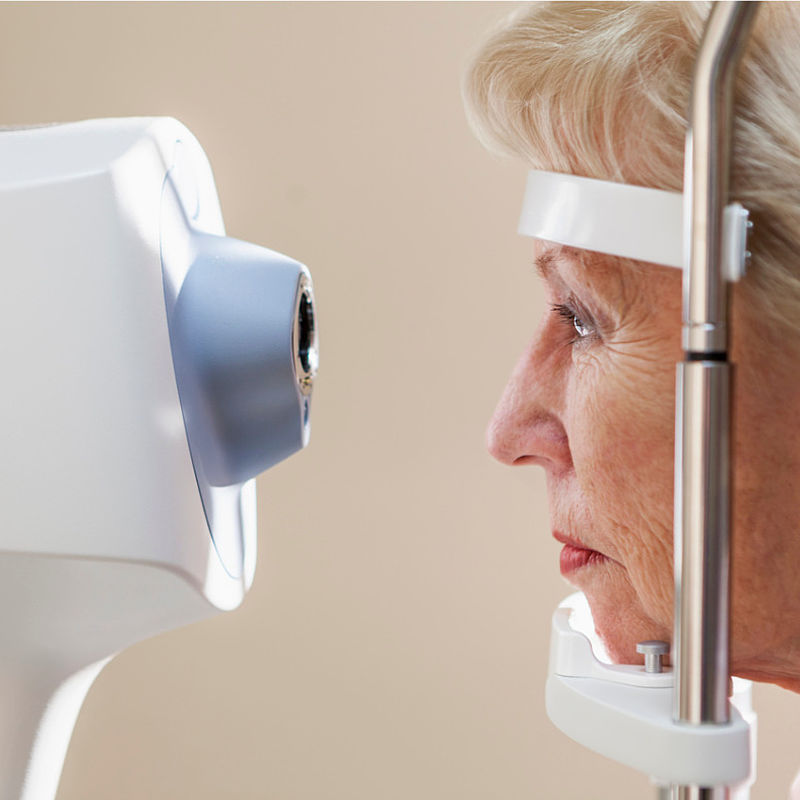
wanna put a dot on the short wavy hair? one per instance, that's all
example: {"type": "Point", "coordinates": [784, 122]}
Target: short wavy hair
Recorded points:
{"type": "Point", "coordinates": [602, 90]}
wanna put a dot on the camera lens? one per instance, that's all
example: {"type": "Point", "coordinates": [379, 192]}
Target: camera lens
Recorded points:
{"type": "Point", "coordinates": [305, 337]}
{"type": "Point", "coordinates": [305, 325]}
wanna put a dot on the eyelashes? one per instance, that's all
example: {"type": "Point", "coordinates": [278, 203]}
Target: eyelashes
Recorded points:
{"type": "Point", "coordinates": [577, 322]}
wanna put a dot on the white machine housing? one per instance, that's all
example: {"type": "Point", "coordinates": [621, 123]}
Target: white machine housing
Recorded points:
{"type": "Point", "coordinates": [105, 538]}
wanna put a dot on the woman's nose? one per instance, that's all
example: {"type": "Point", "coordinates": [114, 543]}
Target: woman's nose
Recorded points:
{"type": "Point", "coordinates": [526, 427]}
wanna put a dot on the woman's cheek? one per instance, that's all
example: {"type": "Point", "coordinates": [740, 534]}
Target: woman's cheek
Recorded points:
{"type": "Point", "coordinates": [623, 461]}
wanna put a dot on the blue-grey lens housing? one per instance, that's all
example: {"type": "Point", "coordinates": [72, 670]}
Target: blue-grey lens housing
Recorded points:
{"type": "Point", "coordinates": [244, 346]}
{"type": "Point", "coordinates": [242, 329]}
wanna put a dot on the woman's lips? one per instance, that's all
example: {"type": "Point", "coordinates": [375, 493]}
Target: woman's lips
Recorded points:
{"type": "Point", "coordinates": [575, 556]}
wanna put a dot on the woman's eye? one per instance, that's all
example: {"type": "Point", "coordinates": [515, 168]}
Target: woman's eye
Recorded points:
{"type": "Point", "coordinates": [581, 329]}
{"type": "Point", "coordinates": [572, 318]}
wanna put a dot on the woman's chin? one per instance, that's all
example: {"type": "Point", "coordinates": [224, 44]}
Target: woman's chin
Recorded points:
{"type": "Point", "coordinates": [621, 624]}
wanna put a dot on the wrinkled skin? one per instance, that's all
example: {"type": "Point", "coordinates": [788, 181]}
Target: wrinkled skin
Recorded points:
{"type": "Point", "coordinates": [592, 402]}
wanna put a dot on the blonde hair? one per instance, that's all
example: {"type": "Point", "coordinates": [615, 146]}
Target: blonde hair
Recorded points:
{"type": "Point", "coordinates": [602, 90]}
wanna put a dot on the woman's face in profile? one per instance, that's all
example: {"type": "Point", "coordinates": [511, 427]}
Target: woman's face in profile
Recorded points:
{"type": "Point", "coordinates": [592, 401]}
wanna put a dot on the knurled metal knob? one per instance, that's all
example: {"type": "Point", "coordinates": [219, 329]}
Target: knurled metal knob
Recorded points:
{"type": "Point", "coordinates": [653, 652]}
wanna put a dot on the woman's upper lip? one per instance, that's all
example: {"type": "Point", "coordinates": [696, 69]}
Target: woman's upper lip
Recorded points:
{"type": "Point", "coordinates": [571, 541]}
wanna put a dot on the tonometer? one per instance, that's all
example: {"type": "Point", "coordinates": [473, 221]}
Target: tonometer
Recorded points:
{"type": "Point", "coordinates": [152, 367]}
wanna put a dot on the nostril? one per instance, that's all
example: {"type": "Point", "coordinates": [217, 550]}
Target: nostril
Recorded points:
{"type": "Point", "coordinates": [536, 439]}
{"type": "Point", "coordinates": [499, 442]}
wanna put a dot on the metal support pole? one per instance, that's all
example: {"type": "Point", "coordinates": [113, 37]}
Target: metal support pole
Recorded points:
{"type": "Point", "coordinates": [702, 461]}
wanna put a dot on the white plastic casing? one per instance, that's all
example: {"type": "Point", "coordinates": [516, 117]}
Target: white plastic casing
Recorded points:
{"type": "Point", "coordinates": [104, 539]}
{"type": "Point", "coordinates": [625, 713]}
{"type": "Point", "coordinates": [623, 220]}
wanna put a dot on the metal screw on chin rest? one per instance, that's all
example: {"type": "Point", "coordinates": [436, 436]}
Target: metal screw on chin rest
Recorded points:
{"type": "Point", "coordinates": [653, 652]}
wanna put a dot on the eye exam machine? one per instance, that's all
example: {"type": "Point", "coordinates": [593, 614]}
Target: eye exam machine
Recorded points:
{"type": "Point", "coordinates": [678, 725]}
{"type": "Point", "coordinates": [151, 368]}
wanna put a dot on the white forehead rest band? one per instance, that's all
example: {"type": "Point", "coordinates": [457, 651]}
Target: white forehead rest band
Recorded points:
{"type": "Point", "coordinates": [621, 220]}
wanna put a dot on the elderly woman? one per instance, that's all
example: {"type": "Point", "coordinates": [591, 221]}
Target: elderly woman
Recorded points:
{"type": "Point", "coordinates": [601, 91]}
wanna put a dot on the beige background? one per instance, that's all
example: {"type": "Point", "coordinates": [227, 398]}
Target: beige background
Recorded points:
{"type": "Point", "coordinates": [394, 645]}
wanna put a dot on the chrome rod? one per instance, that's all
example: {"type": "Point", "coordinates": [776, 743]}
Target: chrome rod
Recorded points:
{"type": "Point", "coordinates": [702, 551]}
{"type": "Point", "coordinates": [703, 548]}
{"type": "Point", "coordinates": [698, 793]}
{"type": "Point", "coordinates": [706, 160]}
{"type": "Point", "coordinates": [702, 458]}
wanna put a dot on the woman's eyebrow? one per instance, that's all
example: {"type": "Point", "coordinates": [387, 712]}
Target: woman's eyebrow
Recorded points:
{"type": "Point", "coordinates": [548, 262]}
{"type": "Point", "coordinates": [545, 263]}
{"type": "Point", "coordinates": [592, 267]}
